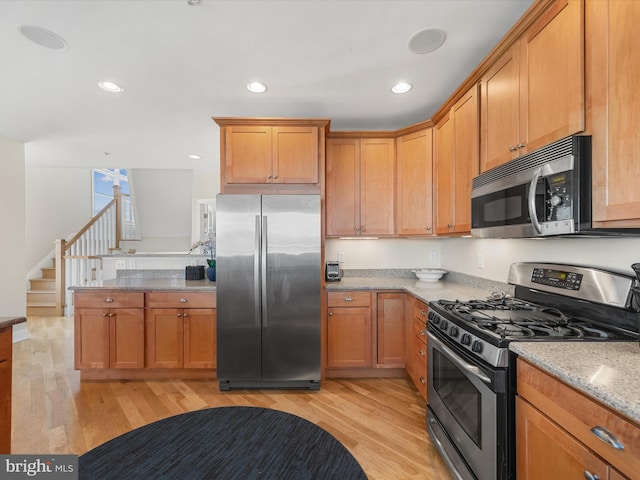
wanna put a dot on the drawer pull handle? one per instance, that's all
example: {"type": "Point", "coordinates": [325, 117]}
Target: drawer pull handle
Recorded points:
{"type": "Point", "coordinates": [179, 315]}
{"type": "Point", "coordinates": [591, 476]}
{"type": "Point", "coordinates": [185, 315]}
{"type": "Point", "coordinates": [607, 437]}
{"type": "Point", "coordinates": [105, 314]}
{"type": "Point", "coordinates": [108, 299]}
{"type": "Point", "coordinates": [183, 300]}
{"type": "Point", "coordinates": [348, 299]}
{"type": "Point", "coordinates": [331, 314]}
{"type": "Point", "coordinates": [423, 313]}
{"type": "Point", "coordinates": [422, 380]}
{"type": "Point", "coordinates": [423, 333]}
{"type": "Point", "coordinates": [421, 353]}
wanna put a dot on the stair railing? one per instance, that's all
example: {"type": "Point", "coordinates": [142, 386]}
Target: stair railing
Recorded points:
{"type": "Point", "coordinates": [79, 259]}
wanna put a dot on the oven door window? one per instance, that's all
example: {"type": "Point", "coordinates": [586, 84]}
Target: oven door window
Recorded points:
{"type": "Point", "coordinates": [459, 395]}
{"type": "Point", "coordinates": [507, 207]}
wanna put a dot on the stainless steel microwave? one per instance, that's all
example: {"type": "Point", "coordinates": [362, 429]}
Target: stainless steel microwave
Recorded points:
{"type": "Point", "coordinates": [543, 193]}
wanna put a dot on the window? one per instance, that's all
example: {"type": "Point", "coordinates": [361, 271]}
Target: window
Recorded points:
{"type": "Point", "coordinates": [103, 181]}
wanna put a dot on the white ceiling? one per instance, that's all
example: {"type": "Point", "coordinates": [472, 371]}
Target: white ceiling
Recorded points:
{"type": "Point", "coordinates": [180, 65]}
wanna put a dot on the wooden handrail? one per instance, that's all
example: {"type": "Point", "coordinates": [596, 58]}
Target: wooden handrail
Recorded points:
{"type": "Point", "coordinates": [91, 222]}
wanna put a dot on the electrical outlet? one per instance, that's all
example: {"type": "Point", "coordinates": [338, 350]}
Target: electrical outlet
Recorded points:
{"type": "Point", "coordinates": [341, 257]}
{"type": "Point", "coordinates": [131, 264]}
{"type": "Point", "coordinates": [433, 257]}
{"type": "Point", "coordinates": [121, 264]}
{"type": "Point", "coordinates": [481, 260]}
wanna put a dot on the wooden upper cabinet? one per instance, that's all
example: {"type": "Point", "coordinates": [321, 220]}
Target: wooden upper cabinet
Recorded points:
{"type": "Point", "coordinates": [275, 155]}
{"type": "Point", "coordinates": [612, 46]}
{"type": "Point", "coordinates": [414, 191]}
{"type": "Point", "coordinates": [534, 93]}
{"type": "Point", "coordinates": [360, 186]}
{"type": "Point", "coordinates": [456, 163]}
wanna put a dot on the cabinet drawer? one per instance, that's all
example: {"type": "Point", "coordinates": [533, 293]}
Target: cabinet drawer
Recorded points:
{"type": "Point", "coordinates": [349, 299]}
{"type": "Point", "coordinates": [420, 351]}
{"type": "Point", "coordinates": [420, 311]}
{"type": "Point", "coordinates": [420, 330]}
{"type": "Point", "coordinates": [107, 299]}
{"type": "Point", "coordinates": [578, 414]}
{"type": "Point", "coordinates": [181, 300]}
{"type": "Point", "coordinates": [6, 337]}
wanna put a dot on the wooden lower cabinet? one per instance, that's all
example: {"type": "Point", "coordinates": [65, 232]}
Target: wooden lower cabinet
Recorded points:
{"type": "Point", "coordinates": [6, 347]}
{"type": "Point", "coordinates": [416, 332]}
{"type": "Point", "coordinates": [391, 338]}
{"type": "Point", "coordinates": [181, 337]}
{"type": "Point", "coordinates": [555, 422]}
{"type": "Point", "coordinates": [349, 330]}
{"type": "Point", "coordinates": [109, 337]}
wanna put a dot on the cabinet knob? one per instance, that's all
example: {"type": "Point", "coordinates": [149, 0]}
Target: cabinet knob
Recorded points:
{"type": "Point", "coordinates": [422, 380]}
{"type": "Point", "coordinates": [591, 476]}
{"type": "Point", "coordinates": [183, 300]}
{"type": "Point", "coordinates": [331, 314]}
{"type": "Point", "coordinates": [275, 177]}
{"type": "Point", "coordinates": [268, 177]}
{"type": "Point", "coordinates": [357, 229]}
{"type": "Point", "coordinates": [423, 313]}
{"type": "Point", "coordinates": [421, 352]}
{"type": "Point", "coordinates": [423, 333]}
{"type": "Point", "coordinates": [108, 299]}
{"type": "Point", "coordinates": [449, 225]}
{"type": "Point", "coordinates": [520, 145]}
{"type": "Point", "coordinates": [105, 314]}
{"type": "Point", "coordinates": [179, 315]}
{"type": "Point", "coordinates": [429, 228]}
{"type": "Point", "coordinates": [348, 299]}
{"type": "Point", "coordinates": [512, 148]}
{"type": "Point", "coordinates": [362, 229]}
{"type": "Point", "coordinates": [185, 315]}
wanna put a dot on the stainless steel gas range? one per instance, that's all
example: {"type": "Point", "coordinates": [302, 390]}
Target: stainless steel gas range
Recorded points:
{"type": "Point", "coordinates": [471, 373]}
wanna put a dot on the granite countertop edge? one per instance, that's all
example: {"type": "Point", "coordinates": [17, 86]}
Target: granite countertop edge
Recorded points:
{"type": "Point", "coordinates": [598, 369]}
{"type": "Point", "coordinates": [10, 321]}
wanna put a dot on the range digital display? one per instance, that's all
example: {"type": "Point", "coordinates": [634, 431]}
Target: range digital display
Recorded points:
{"type": "Point", "coordinates": [557, 278]}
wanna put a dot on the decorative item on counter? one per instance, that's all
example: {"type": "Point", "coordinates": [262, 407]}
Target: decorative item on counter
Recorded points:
{"type": "Point", "coordinates": [429, 274]}
{"type": "Point", "coordinates": [209, 248]}
{"type": "Point", "coordinates": [194, 272]}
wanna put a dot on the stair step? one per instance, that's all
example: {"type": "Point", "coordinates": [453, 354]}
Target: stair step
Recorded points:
{"type": "Point", "coordinates": [41, 311]}
{"type": "Point", "coordinates": [40, 296]}
{"type": "Point", "coordinates": [48, 272]}
{"type": "Point", "coordinates": [42, 284]}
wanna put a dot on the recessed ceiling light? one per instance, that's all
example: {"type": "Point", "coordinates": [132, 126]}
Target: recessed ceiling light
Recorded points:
{"type": "Point", "coordinates": [401, 87]}
{"type": "Point", "coordinates": [193, 156]}
{"type": "Point", "coordinates": [256, 87]}
{"type": "Point", "coordinates": [110, 87]}
{"type": "Point", "coordinates": [43, 37]}
{"type": "Point", "coordinates": [426, 40]}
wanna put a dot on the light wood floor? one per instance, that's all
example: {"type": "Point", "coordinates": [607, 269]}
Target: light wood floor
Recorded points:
{"type": "Point", "coordinates": [381, 421]}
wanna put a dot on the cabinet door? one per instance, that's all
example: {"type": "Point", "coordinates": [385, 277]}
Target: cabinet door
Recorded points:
{"type": "Point", "coordinates": [126, 338]}
{"type": "Point", "coordinates": [343, 187]}
{"type": "Point", "coordinates": [5, 390]}
{"type": "Point", "coordinates": [248, 151]}
{"type": "Point", "coordinates": [377, 186]}
{"type": "Point", "coordinates": [200, 338]}
{"type": "Point", "coordinates": [295, 155]}
{"type": "Point", "coordinates": [500, 108]}
{"type": "Point", "coordinates": [91, 331]}
{"type": "Point", "coordinates": [544, 450]}
{"type": "Point", "coordinates": [466, 162]}
{"type": "Point", "coordinates": [613, 71]}
{"type": "Point", "coordinates": [552, 76]}
{"type": "Point", "coordinates": [349, 337]}
{"type": "Point", "coordinates": [391, 331]}
{"type": "Point", "coordinates": [414, 164]}
{"type": "Point", "coordinates": [444, 176]}
{"type": "Point", "coordinates": [164, 329]}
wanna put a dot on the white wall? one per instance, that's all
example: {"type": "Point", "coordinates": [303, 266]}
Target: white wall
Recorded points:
{"type": "Point", "coordinates": [58, 203]}
{"type": "Point", "coordinates": [461, 254]}
{"type": "Point", "coordinates": [13, 238]}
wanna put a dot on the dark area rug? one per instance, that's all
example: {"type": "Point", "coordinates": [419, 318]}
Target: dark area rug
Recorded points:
{"type": "Point", "coordinates": [223, 443]}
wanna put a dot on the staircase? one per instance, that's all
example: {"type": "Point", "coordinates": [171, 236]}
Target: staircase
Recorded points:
{"type": "Point", "coordinates": [41, 297]}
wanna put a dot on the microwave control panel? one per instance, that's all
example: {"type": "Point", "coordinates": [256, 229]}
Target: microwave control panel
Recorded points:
{"type": "Point", "coordinates": [559, 195]}
{"type": "Point", "coordinates": [557, 278]}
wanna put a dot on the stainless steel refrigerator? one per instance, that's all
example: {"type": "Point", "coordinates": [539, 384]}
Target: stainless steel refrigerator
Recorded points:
{"type": "Point", "coordinates": [268, 281]}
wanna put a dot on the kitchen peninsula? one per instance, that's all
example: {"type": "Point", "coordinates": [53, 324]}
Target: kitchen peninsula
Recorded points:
{"type": "Point", "coordinates": [6, 356]}
{"type": "Point", "coordinates": [145, 326]}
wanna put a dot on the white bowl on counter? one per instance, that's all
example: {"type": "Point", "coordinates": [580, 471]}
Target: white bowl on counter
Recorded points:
{"type": "Point", "coordinates": [429, 274]}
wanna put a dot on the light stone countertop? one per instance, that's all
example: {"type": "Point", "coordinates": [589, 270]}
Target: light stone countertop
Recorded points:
{"type": "Point", "coordinates": [150, 285]}
{"type": "Point", "coordinates": [10, 321]}
{"type": "Point", "coordinates": [607, 371]}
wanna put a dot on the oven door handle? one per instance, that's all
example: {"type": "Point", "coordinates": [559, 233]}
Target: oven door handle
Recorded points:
{"type": "Point", "coordinates": [533, 214]}
{"type": "Point", "coordinates": [472, 369]}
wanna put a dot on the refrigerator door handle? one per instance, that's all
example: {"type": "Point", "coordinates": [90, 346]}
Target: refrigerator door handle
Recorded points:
{"type": "Point", "coordinates": [256, 271]}
{"type": "Point", "coordinates": [263, 273]}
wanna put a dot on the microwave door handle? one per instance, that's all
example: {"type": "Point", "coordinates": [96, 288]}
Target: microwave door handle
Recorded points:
{"type": "Point", "coordinates": [532, 201]}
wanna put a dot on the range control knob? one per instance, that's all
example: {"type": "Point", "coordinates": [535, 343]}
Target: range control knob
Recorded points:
{"type": "Point", "coordinates": [453, 331]}
{"type": "Point", "coordinates": [435, 319]}
{"type": "Point", "coordinates": [476, 346]}
{"type": "Point", "coordinates": [465, 339]}
{"type": "Point", "coordinates": [443, 324]}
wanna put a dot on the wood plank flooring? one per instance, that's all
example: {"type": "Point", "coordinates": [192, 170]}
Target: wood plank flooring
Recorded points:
{"type": "Point", "coordinates": [381, 421]}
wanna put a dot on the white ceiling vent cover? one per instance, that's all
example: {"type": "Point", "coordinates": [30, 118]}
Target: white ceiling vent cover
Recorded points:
{"type": "Point", "coordinates": [426, 40]}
